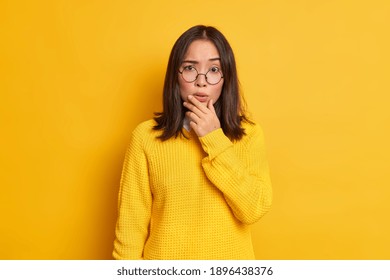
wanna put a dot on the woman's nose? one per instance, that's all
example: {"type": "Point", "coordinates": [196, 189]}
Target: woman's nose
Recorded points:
{"type": "Point", "coordinates": [201, 80]}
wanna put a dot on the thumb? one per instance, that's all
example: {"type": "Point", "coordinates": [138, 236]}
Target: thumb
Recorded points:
{"type": "Point", "coordinates": [211, 106]}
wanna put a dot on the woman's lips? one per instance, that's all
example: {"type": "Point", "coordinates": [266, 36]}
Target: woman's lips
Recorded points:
{"type": "Point", "coordinates": [201, 97]}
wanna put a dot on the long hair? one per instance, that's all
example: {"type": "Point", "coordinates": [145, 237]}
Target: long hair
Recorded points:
{"type": "Point", "coordinates": [229, 106]}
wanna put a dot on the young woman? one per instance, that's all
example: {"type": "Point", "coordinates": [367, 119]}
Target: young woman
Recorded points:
{"type": "Point", "coordinates": [196, 176]}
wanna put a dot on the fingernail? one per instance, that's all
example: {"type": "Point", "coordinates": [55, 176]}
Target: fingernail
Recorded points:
{"type": "Point", "coordinates": [189, 96]}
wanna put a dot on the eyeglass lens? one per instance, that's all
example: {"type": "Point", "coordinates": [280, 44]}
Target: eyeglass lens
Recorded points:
{"type": "Point", "coordinates": [213, 76]}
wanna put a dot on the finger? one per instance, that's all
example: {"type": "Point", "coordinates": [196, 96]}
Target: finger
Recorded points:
{"type": "Point", "coordinates": [193, 126]}
{"type": "Point", "coordinates": [211, 106]}
{"type": "Point", "coordinates": [192, 117]}
{"type": "Point", "coordinates": [193, 108]}
{"type": "Point", "coordinates": [197, 103]}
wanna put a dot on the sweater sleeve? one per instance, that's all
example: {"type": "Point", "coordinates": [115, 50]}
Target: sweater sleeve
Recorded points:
{"type": "Point", "coordinates": [242, 175]}
{"type": "Point", "coordinates": [134, 203]}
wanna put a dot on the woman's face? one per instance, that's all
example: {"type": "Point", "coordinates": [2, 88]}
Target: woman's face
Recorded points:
{"type": "Point", "coordinates": [203, 56]}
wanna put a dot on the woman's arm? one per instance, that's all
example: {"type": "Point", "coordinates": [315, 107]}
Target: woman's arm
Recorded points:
{"type": "Point", "coordinates": [242, 178]}
{"type": "Point", "coordinates": [134, 203]}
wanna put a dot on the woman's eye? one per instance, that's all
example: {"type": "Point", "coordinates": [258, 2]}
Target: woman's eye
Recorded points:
{"type": "Point", "coordinates": [214, 69]}
{"type": "Point", "coordinates": [189, 68]}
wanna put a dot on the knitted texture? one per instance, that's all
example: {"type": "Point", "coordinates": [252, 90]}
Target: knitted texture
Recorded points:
{"type": "Point", "coordinates": [191, 198]}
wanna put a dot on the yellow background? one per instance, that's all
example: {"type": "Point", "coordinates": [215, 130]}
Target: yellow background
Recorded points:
{"type": "Point", "coordinates": [77, 76]}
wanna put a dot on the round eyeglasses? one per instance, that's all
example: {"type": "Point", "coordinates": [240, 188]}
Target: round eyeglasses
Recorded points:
{"type": "Point", "coordinates": [213, 76]}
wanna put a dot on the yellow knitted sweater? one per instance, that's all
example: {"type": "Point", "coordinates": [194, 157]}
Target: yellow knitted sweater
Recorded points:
{"type": "Point", "coordinates": [191, 198]}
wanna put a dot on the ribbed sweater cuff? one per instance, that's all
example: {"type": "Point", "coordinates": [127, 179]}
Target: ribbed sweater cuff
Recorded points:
{"type": "Point", "coordinates": [215, 143]}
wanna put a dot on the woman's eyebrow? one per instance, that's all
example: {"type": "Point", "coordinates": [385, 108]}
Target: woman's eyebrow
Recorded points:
{"type": "Point", "coordinates": [196, 62]}
{"type": "Point", "coordinates": [190, 61]}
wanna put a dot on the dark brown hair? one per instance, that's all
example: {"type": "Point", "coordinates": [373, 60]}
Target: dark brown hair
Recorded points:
{"type": "Point", "coordinates": [229, 106]}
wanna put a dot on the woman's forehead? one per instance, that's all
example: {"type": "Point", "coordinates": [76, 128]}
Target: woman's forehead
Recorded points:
{"type": "Point", "coordinates": [201, 50]}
